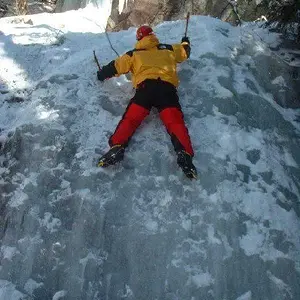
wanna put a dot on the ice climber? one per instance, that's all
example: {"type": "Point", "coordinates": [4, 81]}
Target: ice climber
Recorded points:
{"type": "Point", "coordinates": [154, 76]}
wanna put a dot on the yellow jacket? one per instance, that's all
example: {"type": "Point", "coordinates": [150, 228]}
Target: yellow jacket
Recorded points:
{"type": "Point", "coordinates": [151, 60]}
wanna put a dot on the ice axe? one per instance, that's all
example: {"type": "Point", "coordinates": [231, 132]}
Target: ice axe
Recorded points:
{"type": "Point", "coordinates": [187, 24]}
{"type": "Point", "coordinates": [96, 60]}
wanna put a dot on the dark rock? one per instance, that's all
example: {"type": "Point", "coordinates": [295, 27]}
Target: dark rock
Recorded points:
{"type": "Point", "coordinates": [15, 99]}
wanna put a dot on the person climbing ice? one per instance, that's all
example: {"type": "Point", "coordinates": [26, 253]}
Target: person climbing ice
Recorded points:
{"type": "Point", "coordinates": [154, 76]}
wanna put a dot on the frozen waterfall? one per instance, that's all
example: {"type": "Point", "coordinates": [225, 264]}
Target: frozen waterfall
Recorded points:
{"type": "Point", "coordinates": [141, 230]}
{"type": "Point", "coordinates": [65, 5]}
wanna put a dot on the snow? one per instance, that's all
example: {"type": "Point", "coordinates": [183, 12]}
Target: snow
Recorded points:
{"type": "Point", "coordinates": [18, 198]}
{"type": "Point", "coordinates": [8, 291]}
{"type": "Point", "coordinates": [203, 279]}
{"type": "Point", "coordinates": [59, 295]}
{"type": "Point", "coordinates": [8, 252]}
{"type": "Point", "coordinates": [141, 230]}
{"type": "Point", "coordinates": [246, 296]}
{"type": "Point", "coordinates": [31, 285]}
{"type": "Point", "coordinates": [52, 224]}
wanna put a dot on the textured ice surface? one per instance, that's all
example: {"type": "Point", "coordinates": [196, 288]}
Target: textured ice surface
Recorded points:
{"type": "Point", "coordinates": [141, 230]}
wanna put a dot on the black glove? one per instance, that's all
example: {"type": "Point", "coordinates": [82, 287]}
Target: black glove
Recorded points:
{"type": "Point", "coordinates": [101, 75]}
{"type": "Point", "coordinates": [107, 71]}
{"type": "Point", "coordinates": [185, 39]}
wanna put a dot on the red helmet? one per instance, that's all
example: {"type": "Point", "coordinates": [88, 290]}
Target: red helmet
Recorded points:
{"type": "Point", "coordinates": [143, 31]}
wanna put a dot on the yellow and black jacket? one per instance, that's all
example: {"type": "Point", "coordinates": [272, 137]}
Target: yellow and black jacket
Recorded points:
{"type": "Point", "coordinates": [149, 60]}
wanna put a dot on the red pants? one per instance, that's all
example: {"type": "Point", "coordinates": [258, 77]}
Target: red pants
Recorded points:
{"type": "Point", "coordinates": [163, 96]}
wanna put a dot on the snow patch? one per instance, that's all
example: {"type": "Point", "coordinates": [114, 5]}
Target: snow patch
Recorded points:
{"type": "Point", "coordinates": [202, 280]}
{"type": "Point", "coordinates": [18, 198]}
{"type": "Point", "coordinates": [31, 285]}
{"type": "Point", "coordinates": [8, 252]}
{"type": "Point", "coordinates": [8, 291]}
{"type": "Point", "coordinates": [151, 225]}
{"type": "Point", "coordinates": [246, 296]}
{"type": "Point", "coordinates": [52, 224]}
{"type": "Point", "coordinates": [59, 295]}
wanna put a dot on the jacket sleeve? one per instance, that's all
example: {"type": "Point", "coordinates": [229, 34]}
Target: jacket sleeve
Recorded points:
{"type": "Point", "coordinates": [182, 51]}
{"type": "Point", "coordinates": [123, 64]}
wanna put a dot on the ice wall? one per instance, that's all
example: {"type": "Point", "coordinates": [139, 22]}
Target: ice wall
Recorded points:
{"type": "Point", "coordinates": [65, 5]}
{"type": "Point", "coordinates": [141, 230]}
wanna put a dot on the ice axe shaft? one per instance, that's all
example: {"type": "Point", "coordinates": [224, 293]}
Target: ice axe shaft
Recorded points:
{"type": "Point", "coordinates": [187, 23]}
{"type": "Point", "coordinates": [96, 60]}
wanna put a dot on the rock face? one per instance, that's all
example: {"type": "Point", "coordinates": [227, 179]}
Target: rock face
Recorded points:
{"type": "Point", "coordinates": [22, 7]}
{"type": "Point", "coordinates": [138, 12]}
{"type": "Point", "coordinates": [127, 13]}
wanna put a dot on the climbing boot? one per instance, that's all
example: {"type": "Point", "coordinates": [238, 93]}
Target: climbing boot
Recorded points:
{"type": "Point", "coordinates": [113, 156]}
{"type": "Point", "coordinates": [184, 161]}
